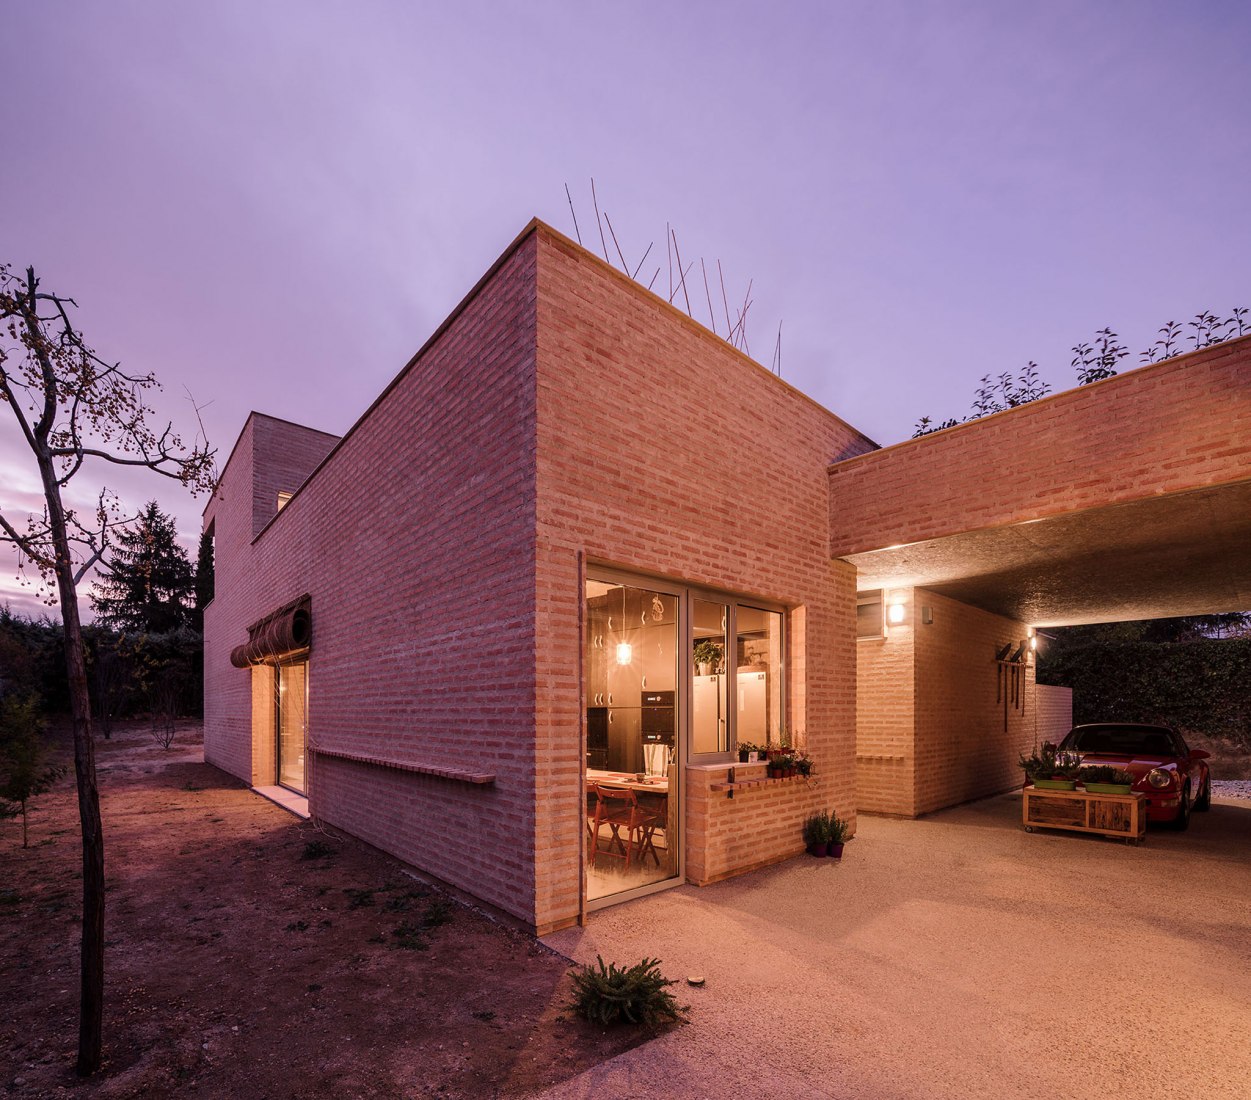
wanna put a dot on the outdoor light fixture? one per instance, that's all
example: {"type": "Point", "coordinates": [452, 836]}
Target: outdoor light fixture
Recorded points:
{"type": "Point", "coordinates": [896, 612]}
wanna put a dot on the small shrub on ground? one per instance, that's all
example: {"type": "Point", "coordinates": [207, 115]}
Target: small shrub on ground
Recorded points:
{"type": "Point", "coordinates": [438, 912]}
{"type": "Point", "coordinates": [316, 849]}
{"type": "Point", "coordinates": [639, 994]}
{"type": "Point", "coordinates": [359, 899]}
{"type": "Point", "coordinates": [409, 936]}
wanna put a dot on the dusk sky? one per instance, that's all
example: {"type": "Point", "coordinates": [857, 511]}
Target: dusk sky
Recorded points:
{"type": "Point", "coordinates": [273, 204]}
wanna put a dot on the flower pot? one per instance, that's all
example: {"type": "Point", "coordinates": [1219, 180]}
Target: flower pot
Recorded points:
{"type": "Point", "coordinates": [817, 849]}
{"type": "Point", "coordinates": [1056, 784]}
{"type": "Point", "coordinates": [836, 850]}
{"type": "Point", "coordinates": [1108, 788]}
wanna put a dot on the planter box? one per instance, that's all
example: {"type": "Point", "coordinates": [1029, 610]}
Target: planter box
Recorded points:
{"type": "Point", "coordinates": [1118, 815]}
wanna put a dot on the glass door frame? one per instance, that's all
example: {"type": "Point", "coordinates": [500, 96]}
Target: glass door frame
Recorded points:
{"type": "Point", "coordinates": [732, 602]}
{"type": "Point", "coordinates": [677, 791]}
{"type": "Point", "coordinates": [297, 659]}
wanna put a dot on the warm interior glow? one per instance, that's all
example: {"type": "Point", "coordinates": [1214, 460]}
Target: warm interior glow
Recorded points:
{"type": "Point", "coordinates": [625, 653]}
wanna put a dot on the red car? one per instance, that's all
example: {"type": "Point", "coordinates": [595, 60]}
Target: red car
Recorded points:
{"type": "Point", "coordinates": [1173, 776]}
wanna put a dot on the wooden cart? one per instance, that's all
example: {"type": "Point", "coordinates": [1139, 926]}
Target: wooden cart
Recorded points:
{"type": "Point", "coordinates": [1115, 815]}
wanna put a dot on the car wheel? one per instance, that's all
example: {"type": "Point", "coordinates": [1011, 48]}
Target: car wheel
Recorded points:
{"type": "Point", "coordinates": [1204, 801]}
{"type": "Point", "coordinates": [1182, 821]}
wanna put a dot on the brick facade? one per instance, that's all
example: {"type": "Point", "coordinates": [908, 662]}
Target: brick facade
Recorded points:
{"type": "Point", "coordinates": [415, 541]}
{"type": "Point", "coordinates": [1181, 424]}
{"type": "Point", "coordinates": [663, 450]}
{"type": "Point", "coordinates": [562, 415]}
{"type": "Point", "coordinates": [936, 720]}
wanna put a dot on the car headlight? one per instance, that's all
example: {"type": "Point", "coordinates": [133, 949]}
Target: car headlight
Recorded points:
{"type": "Point", "coordinates": [1160, 777]}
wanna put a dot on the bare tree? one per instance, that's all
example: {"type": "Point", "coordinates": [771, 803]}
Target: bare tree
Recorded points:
{"type": "Point", "coordinates": [73, 408]}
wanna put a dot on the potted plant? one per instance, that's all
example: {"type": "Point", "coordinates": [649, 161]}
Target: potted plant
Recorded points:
{"type": "Point", "coordinates": [707, 656]}
{"type": "Point", "coordinates": [838, 835]}
{"type": "Point", "coordinates": [781, 763]}
{"type": "Point", "coordinates": [817, 833]}
{"type": "Point", "coordinates": [803, 765]}
{"type": "Point", "coordinates": [1050, 769]}
{"type": "Point", "coordinates": [745, 749]}
{"type": "Point", "coordinates": [1105, 779]}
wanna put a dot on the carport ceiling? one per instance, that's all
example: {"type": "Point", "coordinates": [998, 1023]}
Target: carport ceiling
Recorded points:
{"type": "Point", "coordinates": [1182, 554]}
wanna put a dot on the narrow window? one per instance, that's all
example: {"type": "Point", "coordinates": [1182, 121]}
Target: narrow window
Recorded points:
{"type": "Point", "coordinates": [869, 620]}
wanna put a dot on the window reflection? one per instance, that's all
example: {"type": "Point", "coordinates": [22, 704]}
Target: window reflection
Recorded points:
{"type": "Point", "coordinates": [631, 721]}
{"type": "Point", "coordinates": [758, 683]}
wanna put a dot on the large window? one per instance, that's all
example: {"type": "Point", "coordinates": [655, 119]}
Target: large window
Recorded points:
{"type": "Point", "coordinates": [672, 674]}
{"type": "Point", "coordinates": [737, 676]}
{"type": "Point", "coordinates": [870, 621]}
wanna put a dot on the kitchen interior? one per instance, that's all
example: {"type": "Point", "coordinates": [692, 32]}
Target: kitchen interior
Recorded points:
{"type": "Point", "coordinates": [634, 657]}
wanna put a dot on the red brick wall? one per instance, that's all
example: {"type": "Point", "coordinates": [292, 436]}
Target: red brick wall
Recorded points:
{"type": "Point", "coordinates": [246, 498]}
{"type": "Point", "coordinates": [291, 454]}
{"type": "Point", "coordinates": [963, 750]}
{"type": "Point", "coordinates": [415, 540]}
{"type": "Point", "coordinates": [759, 825]}
{"type": "Point", "coordinates": [930, 716]}
{"type": "Point", "coordinates": [885, 712]}
{"type": "Point", "coordinates": [662, 450]}
{"type": "Point", "coordinates": [227, 695]}
{"type": "Point", "coordinates": [443, 544]}
{"type": "Point", "coordinates": [1175, 425]}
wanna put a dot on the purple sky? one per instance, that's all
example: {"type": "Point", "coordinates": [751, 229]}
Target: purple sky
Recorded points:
{"type": "Point", "coordinates": [274, 204]}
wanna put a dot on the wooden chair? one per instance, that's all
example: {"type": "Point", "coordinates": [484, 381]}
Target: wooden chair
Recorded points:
{"type": "Point", "coordinates": [619, 808]}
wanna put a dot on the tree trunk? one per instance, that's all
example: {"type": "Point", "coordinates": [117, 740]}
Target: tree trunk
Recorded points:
{"type": "Point", "coordinates": [91, 991]}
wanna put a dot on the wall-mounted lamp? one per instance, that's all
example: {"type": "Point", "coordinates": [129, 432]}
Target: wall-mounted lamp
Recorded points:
{"type": "Point", "coordinates": [895, 613]}
{"type": "Point", "coordinates": [927, 615]}
{"type": "Point", "coordinates": [625, 653]}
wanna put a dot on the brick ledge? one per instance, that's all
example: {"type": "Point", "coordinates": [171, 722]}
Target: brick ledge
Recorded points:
{"type": "Point", "coordinates": [748, 784]}
{"type": "Point", "coordinates": [460, 775]}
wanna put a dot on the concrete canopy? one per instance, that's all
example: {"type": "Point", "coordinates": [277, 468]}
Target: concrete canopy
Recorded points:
{"type": "Point", "coordinates": [1127, 499]}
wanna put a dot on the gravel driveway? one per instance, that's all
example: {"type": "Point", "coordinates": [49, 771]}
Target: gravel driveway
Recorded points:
{"type": "Point", "coordinates": [953, 956]}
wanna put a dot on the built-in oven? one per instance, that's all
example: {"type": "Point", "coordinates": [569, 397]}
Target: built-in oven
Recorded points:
{"type": "Point", "coordinates": [658, 717]}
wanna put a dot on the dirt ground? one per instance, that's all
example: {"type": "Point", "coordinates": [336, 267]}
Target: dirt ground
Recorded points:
{"type": "Point", "coordinates": [252, 954]}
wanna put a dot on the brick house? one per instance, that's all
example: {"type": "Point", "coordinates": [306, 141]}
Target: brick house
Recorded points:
{"type": "Point", "coordinates": [514, 625]}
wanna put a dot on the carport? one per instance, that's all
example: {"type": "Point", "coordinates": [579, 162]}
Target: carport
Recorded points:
{"type": "Point", "coordinates": [1126, 499]}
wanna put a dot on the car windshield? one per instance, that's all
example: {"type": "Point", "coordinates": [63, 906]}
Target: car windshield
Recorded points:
{"type": "Point", "coordinates": [1123, 741]}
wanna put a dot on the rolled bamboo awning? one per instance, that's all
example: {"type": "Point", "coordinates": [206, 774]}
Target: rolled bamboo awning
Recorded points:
{"type": "Point", "coordinates": [280, 634]}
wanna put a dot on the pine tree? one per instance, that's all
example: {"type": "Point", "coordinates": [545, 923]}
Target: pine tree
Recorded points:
{"type": "Point", "coordinates": [24, 770]}
{"type": "Point", "coordinates": [203, 580]}
{"type": "Point", "coordinates": [147, 585]}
